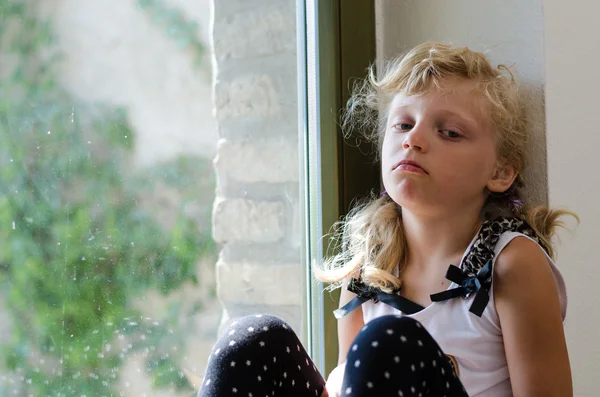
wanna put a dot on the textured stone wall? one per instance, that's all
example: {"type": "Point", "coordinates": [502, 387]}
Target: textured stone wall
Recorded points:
{"type": "Point", "coordinates": [256, 212]}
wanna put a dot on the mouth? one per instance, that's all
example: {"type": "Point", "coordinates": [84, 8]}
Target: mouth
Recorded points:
{"type": "Point", "coordinates": [409, 165]}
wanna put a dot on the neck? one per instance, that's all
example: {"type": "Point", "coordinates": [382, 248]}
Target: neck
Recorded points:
{"type": "Point", "coordinates": [434, 240]}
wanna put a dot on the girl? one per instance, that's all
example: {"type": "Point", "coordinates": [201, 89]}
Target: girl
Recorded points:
{"type": "Point", "coordinates": [450, 288]}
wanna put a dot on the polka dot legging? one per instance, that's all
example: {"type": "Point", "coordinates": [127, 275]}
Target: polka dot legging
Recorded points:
{"type": "Point", "coordinates": [261, 356]}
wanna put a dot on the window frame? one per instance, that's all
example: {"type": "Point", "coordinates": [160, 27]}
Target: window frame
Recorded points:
{"type": "Point", "coordinates": [336, 44]}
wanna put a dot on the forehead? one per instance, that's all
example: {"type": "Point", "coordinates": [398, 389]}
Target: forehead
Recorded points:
{"type": "Point", "coordinates": [458, 97]}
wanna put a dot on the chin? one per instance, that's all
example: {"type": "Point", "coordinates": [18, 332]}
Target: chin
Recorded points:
{"type": "Point", "coordinates": [406, 193]}
{"type": "Point", "coordinates": [408, 201]}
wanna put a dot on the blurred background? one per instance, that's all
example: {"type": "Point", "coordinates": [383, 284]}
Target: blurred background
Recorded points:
{"type": "Point", "coordinates": [109, 121]}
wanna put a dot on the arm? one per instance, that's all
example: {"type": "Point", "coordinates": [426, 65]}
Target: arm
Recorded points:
{"type": "Point", "coordinates": [528, 306]}
{"type": "Point", "coordinates": [349, 325]}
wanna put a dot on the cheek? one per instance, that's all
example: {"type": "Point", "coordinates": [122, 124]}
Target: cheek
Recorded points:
{"type": "Point", "coordinates": [388, 150]}
{"type": "Point", "coordinates": [385, 154]}
{"type": "Point", "coordinates": [387, 159]}
{"type": "Point", "coordinates": [474, 167]}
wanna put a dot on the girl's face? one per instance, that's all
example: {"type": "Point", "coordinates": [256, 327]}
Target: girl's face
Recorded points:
{"type": "Point", "coordinates": [439, 151]}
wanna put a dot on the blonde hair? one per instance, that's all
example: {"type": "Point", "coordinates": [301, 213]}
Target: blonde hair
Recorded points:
{"type": "Point", "coordinates": [371, 238]}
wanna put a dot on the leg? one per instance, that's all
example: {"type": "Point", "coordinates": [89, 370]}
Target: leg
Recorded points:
{"type": "Point", "coordinates": [396, 356]}
{"type": "Point", "coordinates": [260, 356]}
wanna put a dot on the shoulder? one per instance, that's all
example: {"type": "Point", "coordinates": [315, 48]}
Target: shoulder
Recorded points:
{"type": "Point", "coordinates": [524, 279]}
{"type": "Point", "coordinates": [521, 258]}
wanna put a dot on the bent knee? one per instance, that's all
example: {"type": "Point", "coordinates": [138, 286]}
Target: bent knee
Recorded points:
{"type": "Point", "coordinates": [391, 328]}
{"type": "Point", "coordinates": [258, 325]}
{"type": "Point", "coordinates": [395, 321]}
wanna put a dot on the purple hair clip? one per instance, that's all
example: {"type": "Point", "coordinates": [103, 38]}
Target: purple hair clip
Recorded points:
{"type": "Point", "coordinates": [517, 202]}
{"type": "Point", "coordinates": [383, 193]}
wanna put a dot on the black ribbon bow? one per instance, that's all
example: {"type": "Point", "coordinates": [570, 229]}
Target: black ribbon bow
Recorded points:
{"type": "Point", "coordinates": [478, 284]}
{"type": "Point", "coordinates": [365, 293]}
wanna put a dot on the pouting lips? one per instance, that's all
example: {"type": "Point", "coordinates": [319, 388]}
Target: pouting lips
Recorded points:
{"type": "Point", "coordinates": [409, 164]}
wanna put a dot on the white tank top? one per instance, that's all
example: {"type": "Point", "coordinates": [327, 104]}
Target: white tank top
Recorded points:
{"type": "Point", "coordinates": [475, 342]}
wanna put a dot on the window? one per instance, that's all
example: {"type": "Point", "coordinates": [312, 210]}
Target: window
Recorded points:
{"type": "Point", "coordinates": [124, 249]}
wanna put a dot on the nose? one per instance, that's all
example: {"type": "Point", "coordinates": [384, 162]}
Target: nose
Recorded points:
{"type": "Point", "coordinates": [416, 139]}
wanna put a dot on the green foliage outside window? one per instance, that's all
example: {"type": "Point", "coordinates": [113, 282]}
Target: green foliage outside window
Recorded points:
{"type": "Point", "coordinates": [80, 242]}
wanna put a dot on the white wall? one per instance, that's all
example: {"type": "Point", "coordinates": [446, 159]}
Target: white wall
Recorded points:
{"type": "Point", "coordinates": [562, 170]}
{"type": "Point", "coordinates": [572, 56]}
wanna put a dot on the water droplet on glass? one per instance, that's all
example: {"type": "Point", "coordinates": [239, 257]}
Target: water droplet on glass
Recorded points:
{"type": "Point", "coordinates": [48, 132]}
{"type": "Point", "coordinates": [83, 258]}
{"type": "Point", "coordinates": [132, 244]}
{"type": "Point", "coordinates": [13, 224]}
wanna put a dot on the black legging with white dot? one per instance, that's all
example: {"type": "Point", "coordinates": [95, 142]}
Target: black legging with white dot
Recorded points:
{"type": "Point", "coordinates": [396, 356]}
{"type": "Point", "coordinates": [261, 356]}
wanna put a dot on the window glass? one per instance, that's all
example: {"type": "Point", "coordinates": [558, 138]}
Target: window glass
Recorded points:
{"type": "Point", "coordinates": [149, 188]}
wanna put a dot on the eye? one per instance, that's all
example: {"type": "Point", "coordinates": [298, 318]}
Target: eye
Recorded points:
{"type": "Point", "coordinates": [403, 126]}
{"type": "Point", "coordinates": [450, 134]}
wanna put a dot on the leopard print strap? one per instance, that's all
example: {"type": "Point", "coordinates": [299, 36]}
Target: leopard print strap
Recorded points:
{"type": "Point", "coordinates": [482, 250]}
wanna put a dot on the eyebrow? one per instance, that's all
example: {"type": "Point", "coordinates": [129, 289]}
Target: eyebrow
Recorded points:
{"type": "Point", "coordinates": [446, 112]}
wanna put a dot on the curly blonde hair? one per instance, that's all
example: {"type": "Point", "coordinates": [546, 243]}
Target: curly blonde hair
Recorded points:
{"type": "Point", "coordinates": [371, 235]}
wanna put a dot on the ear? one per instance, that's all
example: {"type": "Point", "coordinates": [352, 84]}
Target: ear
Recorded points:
{"type": "Point", "coordinates": [502, 179]}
